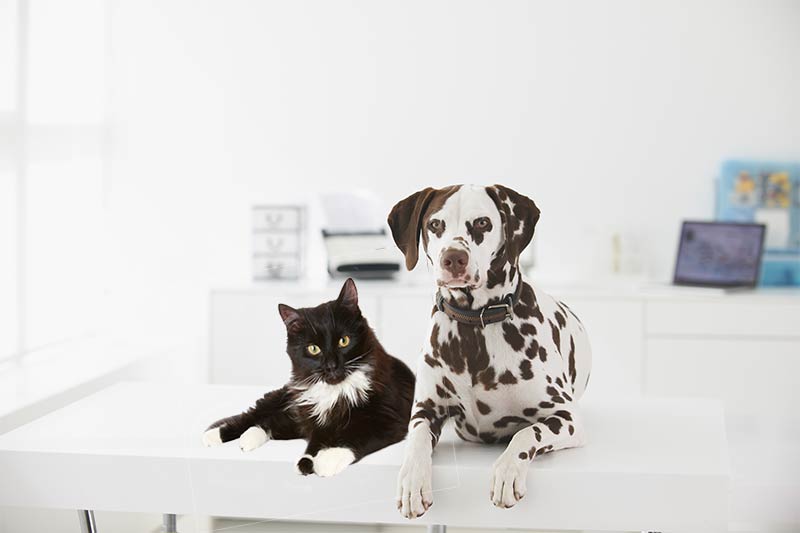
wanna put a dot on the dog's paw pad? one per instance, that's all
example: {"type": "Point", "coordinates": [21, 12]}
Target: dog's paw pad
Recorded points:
{"type": "Point", "coordinates": [305, 465]}
{"type": "Point", "coordinates": [331, 461]}
{"type": "Point", "coordinates": [212, 437]}
{"type": "Point", "coordinates": [252, 439]}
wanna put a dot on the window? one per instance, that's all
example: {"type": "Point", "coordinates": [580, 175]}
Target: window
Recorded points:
{"type": "Point", "coordinates": [53, 171]}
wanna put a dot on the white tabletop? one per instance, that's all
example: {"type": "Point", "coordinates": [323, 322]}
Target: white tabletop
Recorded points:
{"type": "Point", "coordinates": [650, 464]}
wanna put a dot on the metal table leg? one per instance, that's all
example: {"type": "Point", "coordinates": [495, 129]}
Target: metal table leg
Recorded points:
{"type": "Point", "coordinates": [170, 523]}
{"type": "Point", "coordinates": [86, 519]}
{"type": "Point", "coordinates": [437, 528]}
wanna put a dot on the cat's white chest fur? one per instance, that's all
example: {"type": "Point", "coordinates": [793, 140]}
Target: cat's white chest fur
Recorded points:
{"type": "Point", "coordinates": [322, 397]}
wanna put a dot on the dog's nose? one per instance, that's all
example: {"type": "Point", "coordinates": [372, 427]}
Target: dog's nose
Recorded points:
{"type": "Point", "coordinates": [454, 261]}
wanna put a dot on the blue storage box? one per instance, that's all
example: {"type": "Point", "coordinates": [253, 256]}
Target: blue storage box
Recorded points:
{"type": "Point", "coordinates": [766, 192]}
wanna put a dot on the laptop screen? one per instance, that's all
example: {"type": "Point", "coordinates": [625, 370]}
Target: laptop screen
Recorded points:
{"type": "Point", "coordinates": [719, 254]}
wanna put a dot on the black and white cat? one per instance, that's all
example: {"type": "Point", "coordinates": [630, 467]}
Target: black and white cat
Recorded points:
{"type": "Point", "coordinates": [346, 397]}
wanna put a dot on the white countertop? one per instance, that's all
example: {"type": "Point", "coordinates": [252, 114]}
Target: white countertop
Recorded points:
{"type": "Point", "coordinates": [608, 287]}
{"type": "Point", "coordinates": [650, 464]}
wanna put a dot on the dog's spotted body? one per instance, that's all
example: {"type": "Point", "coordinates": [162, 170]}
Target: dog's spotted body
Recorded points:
{"type": "Point", "coordinates": [514, 381]}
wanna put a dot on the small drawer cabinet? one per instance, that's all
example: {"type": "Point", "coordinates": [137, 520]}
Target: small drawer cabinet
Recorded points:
{"type": "Point", "coordinates": [278, 237]}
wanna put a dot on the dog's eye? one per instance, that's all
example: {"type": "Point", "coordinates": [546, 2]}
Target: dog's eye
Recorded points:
{"type": "Point", "coordinates": [482, 223]}
{"type": "Point", "coordinates": [313, 349]}
{"type": "Point", "coordinates": [435, 224]}
{"type": "Point", "coordinates": [344, 341]}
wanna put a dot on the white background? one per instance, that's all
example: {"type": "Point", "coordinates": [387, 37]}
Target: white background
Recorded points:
{"type": "Point", "coordinates": [613, 116]}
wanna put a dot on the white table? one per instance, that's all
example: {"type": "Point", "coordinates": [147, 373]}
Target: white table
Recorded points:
{"type": "Point", "coordinates": [136, 447]}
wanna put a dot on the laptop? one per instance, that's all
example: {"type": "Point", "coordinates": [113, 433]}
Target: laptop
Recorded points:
{"type": "Point", "coordinates": [724, 255]}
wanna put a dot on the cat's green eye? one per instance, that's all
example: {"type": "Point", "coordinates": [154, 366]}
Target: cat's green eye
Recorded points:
{"type": "Point", "coordinates": [313, 349]}
{"type": "Point", "coordinates": [344, 341]}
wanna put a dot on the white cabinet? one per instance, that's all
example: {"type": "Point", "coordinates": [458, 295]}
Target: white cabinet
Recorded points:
{"type": "Point", "coordinates": [743, 348]}
{"type": "Point", "coordinates": [750, 376]}
{"type": "Point", "coordinates": [737, 315]}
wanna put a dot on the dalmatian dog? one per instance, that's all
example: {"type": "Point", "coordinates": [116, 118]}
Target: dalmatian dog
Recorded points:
{"type": "Point", "coordinates": [504, 361]}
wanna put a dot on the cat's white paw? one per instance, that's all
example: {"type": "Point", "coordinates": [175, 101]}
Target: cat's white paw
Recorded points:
{"type": "Point", "coordinates": [212, 437]}
{"type": "Point", "coordinates": [252, 439]}
{"type": "Point", "coordinates": [331, 461]}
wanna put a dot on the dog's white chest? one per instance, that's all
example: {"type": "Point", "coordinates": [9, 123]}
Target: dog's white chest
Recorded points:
{"type": "Point", "coordinates": [511, 374]}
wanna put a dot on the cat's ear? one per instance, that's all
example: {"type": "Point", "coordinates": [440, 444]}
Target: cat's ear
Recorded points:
{"type": "Point", "coordinates": [348, 296]}
{"type": "Point", "coordinates": [291, 317]}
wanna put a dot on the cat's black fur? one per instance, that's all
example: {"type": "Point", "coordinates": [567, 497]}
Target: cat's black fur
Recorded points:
{"type": "Point", "coordinates": [378, 419]}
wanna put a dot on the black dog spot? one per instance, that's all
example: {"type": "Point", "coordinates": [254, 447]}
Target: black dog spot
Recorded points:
{"type": "Point", "coordinates": [563, 414]}
{"type": "Point", "coordinates": [556, 335]}
{"type": "Point", "coordinates": [512, 336]}
{"type": "Point", "coordinates": [553, 424]}
{"type": "Point", "coordinates": [477, 233]}
{"type": "Point", "coordinates": [487, 437]}
{"type": "Point", "coordinates": [507, 378]}
{"type": "Point", "coordinates": [487, 379]}
{"type": "Point", "coordinates": [572, 370]}
{"type": "Point", "coordinates": [448, 384]}
{"type": "Point", "coordinates": [431, 362]}
{"type": "Point", "coordinates": [506, 420]}
{"type": "Point", "coordinates": [561, 319]}
{"type": "Point", "coordinates": [525, 371]}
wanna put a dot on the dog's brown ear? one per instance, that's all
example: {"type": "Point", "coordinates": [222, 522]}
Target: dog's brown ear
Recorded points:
{"type": "Point", "coordinates": [519, 215]}
{"type": "Point", "coordinates": [405, 221]}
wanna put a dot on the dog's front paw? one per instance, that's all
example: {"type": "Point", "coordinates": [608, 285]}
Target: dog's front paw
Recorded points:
{"type": "Point", "coordinates": [212, 437]}
{"type": "Point", "coordinates": [414, 492]}
{"type": "Point", "coordinates": [509, 475]}
{"type": "Point", "coordinates": [331, 461]}
{"type": "Point", "coordinates": [252, 439]}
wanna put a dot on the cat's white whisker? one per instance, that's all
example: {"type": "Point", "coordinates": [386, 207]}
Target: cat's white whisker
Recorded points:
{"type": "Point", "coordinates": [354, 359]}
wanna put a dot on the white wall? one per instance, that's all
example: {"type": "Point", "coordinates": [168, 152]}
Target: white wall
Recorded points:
{"type": "Point", "coordinates": [614, 116]}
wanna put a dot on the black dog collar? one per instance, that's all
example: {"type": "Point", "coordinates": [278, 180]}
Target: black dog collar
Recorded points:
{"type": "Point", "coordinates": [488, 314]}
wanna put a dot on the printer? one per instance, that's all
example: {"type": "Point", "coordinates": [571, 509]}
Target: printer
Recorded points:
{"type": "Point", "coordinates": [355, 237]}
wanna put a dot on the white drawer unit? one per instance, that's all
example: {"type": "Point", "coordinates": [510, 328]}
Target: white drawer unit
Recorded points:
{"type": "Point", "coordinates": [278, 236]}
{"type": "Point", "coordinates": [275, 244]}
{"type": "Point", "coordinates": [277, 218]}
{"type": "Point", "coordinates": [269, 267]}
